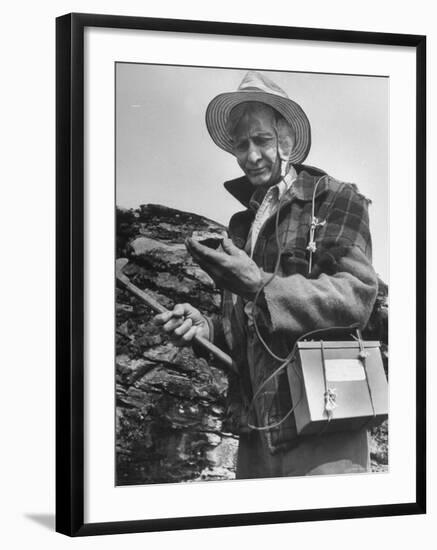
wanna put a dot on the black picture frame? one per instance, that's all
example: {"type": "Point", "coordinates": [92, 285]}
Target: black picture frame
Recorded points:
{"type": "Point", "coordinates": [70, 273]}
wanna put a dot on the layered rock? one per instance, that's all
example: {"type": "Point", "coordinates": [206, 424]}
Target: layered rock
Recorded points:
{"type": "Point", "coordinates": [169, 402]}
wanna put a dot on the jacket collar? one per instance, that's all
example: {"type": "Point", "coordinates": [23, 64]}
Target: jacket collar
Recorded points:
{"type": "Point", "coordinates": [302, 189]}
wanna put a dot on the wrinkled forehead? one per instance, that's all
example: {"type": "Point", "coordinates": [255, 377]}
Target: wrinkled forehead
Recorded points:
{"type": "Point", "coordinates": [251, 117]}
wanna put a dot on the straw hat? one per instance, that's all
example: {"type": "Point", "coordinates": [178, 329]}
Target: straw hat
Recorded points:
{"type": "Point", "coordinates": [257, 87]}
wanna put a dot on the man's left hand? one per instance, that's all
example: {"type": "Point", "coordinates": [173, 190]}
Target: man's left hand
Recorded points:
{"type": "Point", "coordinates": [231, 269]}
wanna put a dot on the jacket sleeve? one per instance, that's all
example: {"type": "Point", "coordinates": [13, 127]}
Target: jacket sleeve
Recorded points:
{"type": "Point", "coordinates": [343, 284]}
{"type": "Point", "coordinates": [216, 336]}
{"type": "Point", "coordinates": [216, 333]}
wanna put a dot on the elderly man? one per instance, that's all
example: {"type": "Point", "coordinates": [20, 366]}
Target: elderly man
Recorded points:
{"type": "Point", "coordinates": [298, 258]}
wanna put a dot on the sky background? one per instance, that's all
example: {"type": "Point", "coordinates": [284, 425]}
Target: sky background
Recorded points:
{"type": "Point", "coordinates": [164, 154]}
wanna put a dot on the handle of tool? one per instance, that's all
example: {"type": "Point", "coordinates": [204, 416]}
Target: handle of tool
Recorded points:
{"type": "Point", "coordinates": [223, 357]}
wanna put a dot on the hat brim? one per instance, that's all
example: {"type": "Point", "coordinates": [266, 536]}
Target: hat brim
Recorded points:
{"type": "Point", "coordinates": [220, 107]}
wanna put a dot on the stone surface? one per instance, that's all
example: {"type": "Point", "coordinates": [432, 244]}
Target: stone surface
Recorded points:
{"type": "Point", "coordinates": [169, 402]}
{"type": "Point", "coordinates": [377, 329]}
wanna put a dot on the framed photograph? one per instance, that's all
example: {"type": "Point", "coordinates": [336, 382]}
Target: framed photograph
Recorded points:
{"type": "Point", "coordinates": [240, 274]}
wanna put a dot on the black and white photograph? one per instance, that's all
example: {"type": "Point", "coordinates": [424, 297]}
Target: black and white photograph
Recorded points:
{"type": "Point", "coordinates": [215, 275]}
{"type": "Point", "coordinates": [252, 269]}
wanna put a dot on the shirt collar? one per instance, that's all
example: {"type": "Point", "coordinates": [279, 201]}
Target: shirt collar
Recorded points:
{"type": "Point", "coordinates": [286, 182]}
{"type": "Point", "coordinates": [302, 188]}
{"type": "Point", "coordinates": [282, 187]}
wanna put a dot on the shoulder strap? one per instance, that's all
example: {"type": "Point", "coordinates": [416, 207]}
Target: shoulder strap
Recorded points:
{"type": "Point", "coordinates": [319, 219]}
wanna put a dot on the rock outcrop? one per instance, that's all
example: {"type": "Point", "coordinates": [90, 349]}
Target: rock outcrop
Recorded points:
{"type": "Point", "coordinates": [170, 403]}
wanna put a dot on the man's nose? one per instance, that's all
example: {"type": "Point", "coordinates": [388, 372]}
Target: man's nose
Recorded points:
{"type": "Point", "coordinates": [253, 154]}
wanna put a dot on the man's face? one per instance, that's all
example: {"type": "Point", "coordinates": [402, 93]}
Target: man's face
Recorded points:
{"type": "Point", "coordinates": [255, 147]}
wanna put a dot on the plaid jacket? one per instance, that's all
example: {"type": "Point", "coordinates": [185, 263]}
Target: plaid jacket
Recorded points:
{"type": "Point", "coordinates": [340, 291]}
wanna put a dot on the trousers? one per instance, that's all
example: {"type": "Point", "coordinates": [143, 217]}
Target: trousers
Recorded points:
{"type": "Point", "coordinates": [331, 453]}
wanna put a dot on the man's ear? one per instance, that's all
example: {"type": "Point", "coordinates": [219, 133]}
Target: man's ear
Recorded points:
{"type": "Point", "coordinates": [285, 140]}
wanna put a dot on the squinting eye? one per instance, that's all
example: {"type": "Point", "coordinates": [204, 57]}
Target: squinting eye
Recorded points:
{"type": "Point", "coordinates": [261, 141]}
{"type": "Point", "coordinates": [240, 146]}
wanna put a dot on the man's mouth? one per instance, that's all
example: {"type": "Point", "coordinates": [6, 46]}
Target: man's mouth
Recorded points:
{"type": "Point", "coordinates": [256, 171]}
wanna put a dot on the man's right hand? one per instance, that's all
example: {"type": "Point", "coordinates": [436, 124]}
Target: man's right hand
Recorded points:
{"type": "Point", "coordinates": [182, 323]}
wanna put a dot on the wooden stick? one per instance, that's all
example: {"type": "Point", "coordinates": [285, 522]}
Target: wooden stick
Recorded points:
{"type": "Point", "coordinates": [223, 357]}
